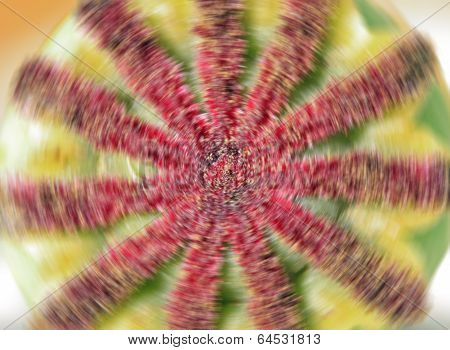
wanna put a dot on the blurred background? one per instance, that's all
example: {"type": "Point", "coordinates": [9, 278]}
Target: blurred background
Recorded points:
{"type": "Point", "coordinates": [19, 40]}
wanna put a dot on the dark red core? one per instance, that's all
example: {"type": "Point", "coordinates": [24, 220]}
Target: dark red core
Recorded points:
{"type": "Point", "coordinates": [226, 169]}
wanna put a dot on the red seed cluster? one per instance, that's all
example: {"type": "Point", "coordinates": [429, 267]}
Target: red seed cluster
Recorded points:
{"type": "Point", "coordinates": [226, 172]}
{"type": "Point", "coordinates": [85, 203]}
{"type": "Point", "coordinates": [289, 59]}
{"type": "Point", "coordinates": [273, 304]}
{"type": "Point", "coordinates": [78, 205]}
{"type": "Point", "coordinates": [115, 274]}
{"type": "Point", "coordinates": [93, 111]}
{"type": "Point", "coordinates": [220, 58]}
{"type": "Point", "coordinates": [145, 66]}
{"type": "Point", "coordinates": [194, 300]}
{"type": "Point", "coordinates": [369, 178]}
{"type": "Point", "coordinates": [395, 291]}
{"type": "Point", "coordinates": [390, 80]}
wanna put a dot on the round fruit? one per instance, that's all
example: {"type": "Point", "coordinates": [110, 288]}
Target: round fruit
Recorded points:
{"type": "Point", "coordinates": [228, 164]}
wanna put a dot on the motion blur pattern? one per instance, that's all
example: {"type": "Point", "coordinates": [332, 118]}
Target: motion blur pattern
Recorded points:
{"type": "Point", "coordinates": [229, 165]}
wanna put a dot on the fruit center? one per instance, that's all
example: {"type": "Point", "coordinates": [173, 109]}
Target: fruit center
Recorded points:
{"type": "Point", "coordinates": [226, 169]}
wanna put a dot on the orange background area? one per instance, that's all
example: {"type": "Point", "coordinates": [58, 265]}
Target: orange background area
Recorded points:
{"type": "Point", "coordinates": [18, 39]}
